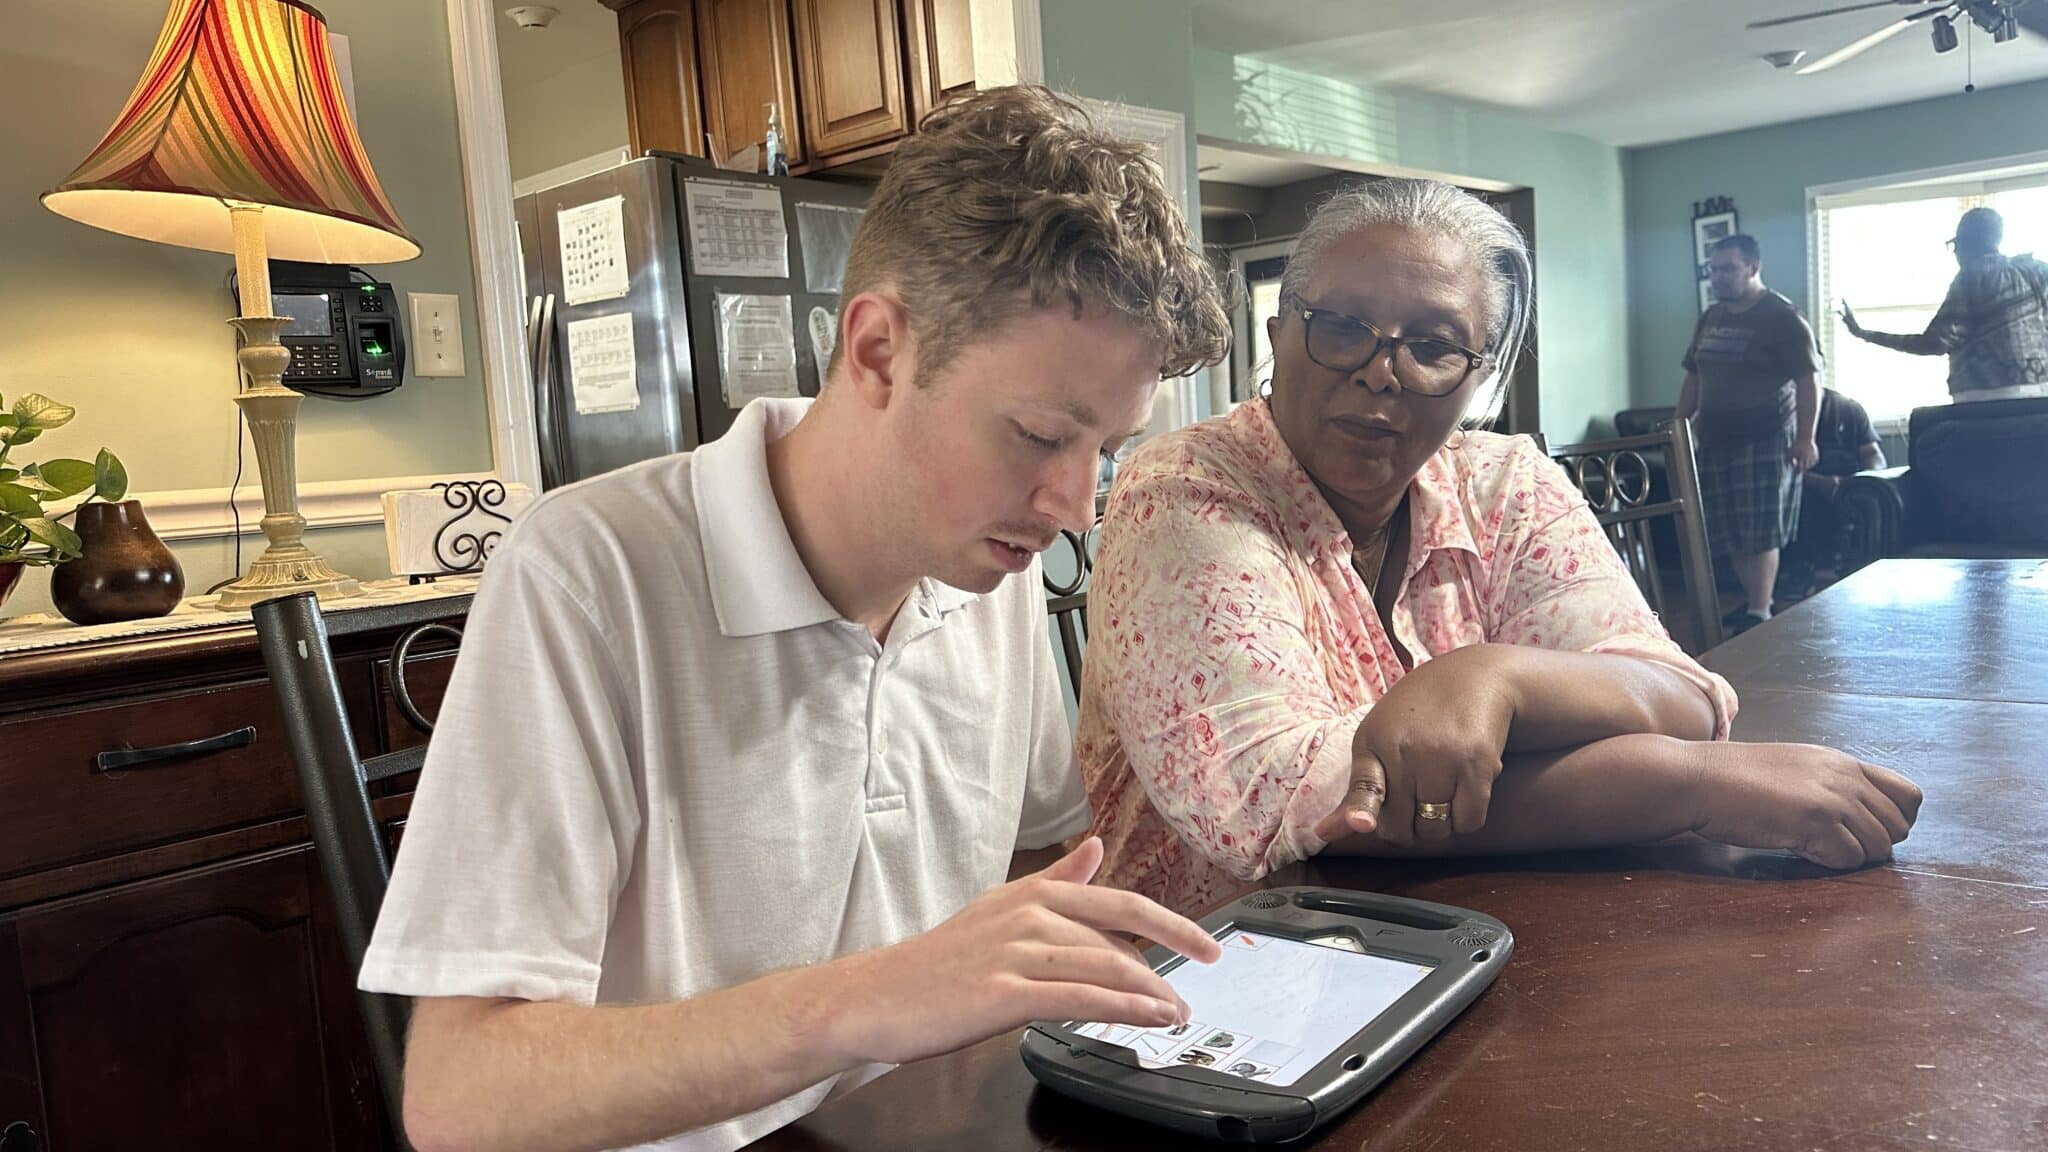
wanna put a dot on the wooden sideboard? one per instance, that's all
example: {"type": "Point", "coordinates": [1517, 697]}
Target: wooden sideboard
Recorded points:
{"type": "Point", "coordinates": [170, 973]}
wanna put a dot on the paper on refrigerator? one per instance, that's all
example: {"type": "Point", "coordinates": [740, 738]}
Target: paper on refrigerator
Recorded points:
{"type": "Point", "coordinates": [593, 241]}
{"type": "Point", "coordinates": [736, 229]}
{"type": "Point", "coordinates": [756, 348]}
{"type": "Point", "coordinates": [602, 373]}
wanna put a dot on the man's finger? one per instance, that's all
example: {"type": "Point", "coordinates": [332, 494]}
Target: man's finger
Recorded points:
{"type": "Point", "coordinates": [1115, 910]}
{"type": "Point", "coordinates": [1359, 811]}
{"type": "Point", "coordinates": [1078, 866]}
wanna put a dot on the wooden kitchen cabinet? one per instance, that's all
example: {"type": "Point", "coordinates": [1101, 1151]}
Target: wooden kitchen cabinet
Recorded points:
{"type": "Point", "coordinates": [658, 54]}
{"type": "Point", "coordinates": [743, 48]}
{"type": "Point", "coordinates": [849, 57]}
{"type": "Point", "coordinates": [938, 39]}
{"type": "Point", "coordinates": [171, 975]}
{"type": "Point", "coordinates": [851, 77]}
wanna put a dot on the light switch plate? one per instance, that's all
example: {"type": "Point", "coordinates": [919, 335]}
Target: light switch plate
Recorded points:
{"type": "Point", "coordinates": [436, 334]}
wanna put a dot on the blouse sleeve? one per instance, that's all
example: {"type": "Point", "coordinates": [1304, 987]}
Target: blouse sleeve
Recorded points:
{"type": "Point", "coordinates": [1563, 586]}
{"type": "Point", "coordinates": [1211, 680]}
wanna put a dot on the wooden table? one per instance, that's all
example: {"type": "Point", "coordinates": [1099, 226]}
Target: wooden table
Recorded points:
{"type": "Point", "coordinates": [1696, 998]}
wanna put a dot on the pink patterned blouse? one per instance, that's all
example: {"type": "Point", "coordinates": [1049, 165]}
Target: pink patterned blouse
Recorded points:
{"type": "Point", "coordinates": [1233, 650]}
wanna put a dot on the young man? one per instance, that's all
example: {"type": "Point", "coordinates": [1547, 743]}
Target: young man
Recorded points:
{"type": "Point", "coordinates": [1752, 391]}
{"type": "Point", "coordinates": [1992, 325]}
{"type": "Point", "coordinates": [735, 733]}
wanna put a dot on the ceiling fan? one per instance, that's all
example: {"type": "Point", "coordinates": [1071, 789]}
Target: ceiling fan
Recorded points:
{"type": "Point", "coordinates": [2003, 19]}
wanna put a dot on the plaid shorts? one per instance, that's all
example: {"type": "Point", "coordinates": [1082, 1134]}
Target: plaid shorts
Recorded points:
{"type": "Point", "coordinates": [1750, 492]}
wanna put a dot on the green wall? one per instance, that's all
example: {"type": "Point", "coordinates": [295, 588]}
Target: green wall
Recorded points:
{"type": "Point", "coordinates": [134, 334]}
{"type": "Point", "coordinates": [1767, 171]}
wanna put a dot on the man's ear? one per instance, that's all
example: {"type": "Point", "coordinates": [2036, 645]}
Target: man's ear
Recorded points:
{"type": "Point", "coordinates": [876, 351]}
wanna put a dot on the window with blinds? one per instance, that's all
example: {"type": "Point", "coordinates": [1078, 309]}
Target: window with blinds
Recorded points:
{"type": "Point", "coordinates": [1884, 251]}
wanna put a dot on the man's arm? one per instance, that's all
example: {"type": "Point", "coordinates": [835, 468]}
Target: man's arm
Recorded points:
{"type": "Point", "coordinates": [1937, 340]}
{"type": "Point", "coordinates": [1918, 343]}
{"type": "Point", "coordinates": [1822, 804]}
{"type": "Point", "coordinates": [1688, 398]}
{"type": "Point", "coordinates": [521, 1076]}
{"type": "Point", "coordinates": [1806, 397]}
{"type": "Point", "coordinates": [1870, 456]}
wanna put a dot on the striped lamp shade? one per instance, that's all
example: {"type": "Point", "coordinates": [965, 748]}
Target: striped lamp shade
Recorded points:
{"type": "Point", "coordinates": [240, 102]}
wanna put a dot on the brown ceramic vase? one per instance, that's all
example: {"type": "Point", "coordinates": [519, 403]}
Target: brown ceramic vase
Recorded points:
{"type": "Point", "coordinates": [124, 571]}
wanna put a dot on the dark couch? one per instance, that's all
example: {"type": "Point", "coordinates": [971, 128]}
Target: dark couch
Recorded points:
{"type": "Point", "coordinates": [1976, 484]}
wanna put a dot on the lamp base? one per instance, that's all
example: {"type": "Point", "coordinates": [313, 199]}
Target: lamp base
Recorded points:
{"type": "Point", "coordinates": [286, 572]}
{"type": "Point", "coordinates": [272, 411]}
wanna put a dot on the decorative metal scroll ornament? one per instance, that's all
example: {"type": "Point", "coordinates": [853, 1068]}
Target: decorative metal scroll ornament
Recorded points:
{"type": "Point", "coordinates": [466, 551]}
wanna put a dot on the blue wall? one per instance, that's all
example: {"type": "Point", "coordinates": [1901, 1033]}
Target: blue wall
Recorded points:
{"type": "Point", "coordinates": [1767, 171]}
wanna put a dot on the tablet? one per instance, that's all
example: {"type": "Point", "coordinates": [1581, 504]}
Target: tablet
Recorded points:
{"type": "Point", "coordinates": [1320, 995]}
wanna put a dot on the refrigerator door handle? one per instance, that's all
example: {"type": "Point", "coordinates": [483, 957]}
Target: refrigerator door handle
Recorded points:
{"type": "Point", "coordinates": [552, 467]}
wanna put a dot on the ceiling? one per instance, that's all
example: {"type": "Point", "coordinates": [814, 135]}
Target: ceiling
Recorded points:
{"type": "Point", "coordinates": [1627, 72]}
{"type": "Point", "coordinates": [1233, 166]}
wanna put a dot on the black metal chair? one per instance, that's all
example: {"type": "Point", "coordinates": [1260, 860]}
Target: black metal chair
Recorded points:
{"type": "Point", "coordinates": [1616, 477]}
{"type": "Point", "coordinates": [296, 641]}
{"type": "Point", "coordinates": [1067, 599]}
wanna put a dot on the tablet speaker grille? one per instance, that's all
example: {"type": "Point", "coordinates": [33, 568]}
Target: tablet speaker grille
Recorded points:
{"type": "Point", "coordinates": [1475, 938]}
{"type": "Point", "coordinates": [1264, 900]}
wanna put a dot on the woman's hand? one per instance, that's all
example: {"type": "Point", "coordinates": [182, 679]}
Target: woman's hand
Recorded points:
{"type": "Point", "coordinates": [1824, 805]}
{"type": "Point", "coordinates": [1424, 759]}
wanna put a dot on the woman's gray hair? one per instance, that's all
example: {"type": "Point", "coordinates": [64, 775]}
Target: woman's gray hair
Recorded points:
{"type": "Point", "coordinates": [1439, 209]}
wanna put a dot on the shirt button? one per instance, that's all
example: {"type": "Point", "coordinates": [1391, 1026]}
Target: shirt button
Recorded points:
{"type": "Point", "coordinates": [881, 740]}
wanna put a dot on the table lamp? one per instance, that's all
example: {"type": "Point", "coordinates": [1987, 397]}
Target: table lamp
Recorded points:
{"type": "Point", "coordinates": [237, 139]}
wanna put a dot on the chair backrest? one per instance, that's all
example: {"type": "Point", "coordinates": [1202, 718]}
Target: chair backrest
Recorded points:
{"type": "Point", "coordinates": [296, 639]}
{"type": "Point", "coordinates": [1067, 604]}
{"type": "Point", "coordinates": [1067, 596]}
{"type": "Point", "coordinates": [1615, 476]}
{"type": "Point", "coordinates": [1978, 484]}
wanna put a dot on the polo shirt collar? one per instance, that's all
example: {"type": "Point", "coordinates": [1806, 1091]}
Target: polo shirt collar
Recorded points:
{"type": "Point", "coordinates": [759, 584]}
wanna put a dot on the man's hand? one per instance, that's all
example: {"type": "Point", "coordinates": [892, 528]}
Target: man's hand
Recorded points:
{"type": "Point", "coordinates": [1824, 805]}
{"type": "Point", "coordinates": [1046, 947]}
{"type": "Point", "coordinates": [1804, 454]}
{"type": "Point", "coordinates": [1849, 321]}
{"type": "Point", "coordinates": [1436, 738]}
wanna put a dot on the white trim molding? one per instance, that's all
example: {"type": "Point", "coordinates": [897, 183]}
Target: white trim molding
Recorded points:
{"type": "Point", "coordinates": [494, 240]}
{"type": "Point", "coordinates": [204, 513]}
{"type": "Point", "coordinates": [1165, 134]}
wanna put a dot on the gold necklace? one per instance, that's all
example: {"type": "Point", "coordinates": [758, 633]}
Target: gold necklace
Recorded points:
{"type": "Point", "coordinates": [1370, 557]}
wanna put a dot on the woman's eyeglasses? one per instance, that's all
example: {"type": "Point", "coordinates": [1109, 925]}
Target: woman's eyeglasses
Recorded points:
{"type": "Point", "coordinates": [1422, 364]}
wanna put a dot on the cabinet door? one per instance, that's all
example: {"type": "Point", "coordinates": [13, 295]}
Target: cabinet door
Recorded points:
{"type": "Point", "coordinates": [210, 1009]}
{"type": "Point", "coordinates": [850, 56]}
{"type": "Point", "coordinates": [744, 48]}
{"type": "Point", "coordinates": [939, 39]}
{"type": "Point", "coordinates": [658, 49]}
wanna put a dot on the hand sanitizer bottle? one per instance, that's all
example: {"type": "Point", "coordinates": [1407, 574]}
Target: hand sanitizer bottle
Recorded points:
{"type": "Point", "coordinates": [777, 160]}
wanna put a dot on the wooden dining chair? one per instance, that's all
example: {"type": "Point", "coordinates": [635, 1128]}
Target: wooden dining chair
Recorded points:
{"type": "Point", "coordinates": [296, 640]}
{"type": "Point", "coordinates": [1616, 478]}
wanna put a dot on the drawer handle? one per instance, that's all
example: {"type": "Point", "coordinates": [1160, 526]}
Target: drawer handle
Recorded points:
{"type": "Point", "coordinates": [142, 757]}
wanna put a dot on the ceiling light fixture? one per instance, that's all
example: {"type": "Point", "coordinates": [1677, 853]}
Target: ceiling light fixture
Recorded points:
{"type": "Point", "coordinates": [1944, 34]}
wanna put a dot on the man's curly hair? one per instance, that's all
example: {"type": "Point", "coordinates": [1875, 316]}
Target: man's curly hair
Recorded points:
{"type": "Point", "coordinates": [1011, 199]}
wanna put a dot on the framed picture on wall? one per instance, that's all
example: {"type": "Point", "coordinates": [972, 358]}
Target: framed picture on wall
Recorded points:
{"type": "Point", "coordinates": [1706, 295]}
{"type": "Point", "coordinates": [1708, 229]}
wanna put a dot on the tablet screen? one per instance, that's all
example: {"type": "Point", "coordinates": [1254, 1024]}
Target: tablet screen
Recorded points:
{"type": "Point", "coordinates": [1270, 1010]}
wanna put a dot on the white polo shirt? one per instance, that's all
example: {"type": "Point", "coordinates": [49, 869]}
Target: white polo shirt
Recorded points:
{"type": "Point", "coordinates": [666, 765]}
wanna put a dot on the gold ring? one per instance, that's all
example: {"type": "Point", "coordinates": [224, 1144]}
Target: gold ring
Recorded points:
{"type": "Point", "coordinates": [1434, 811]}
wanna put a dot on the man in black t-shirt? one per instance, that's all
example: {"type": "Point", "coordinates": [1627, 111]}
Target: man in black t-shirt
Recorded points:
{"type": "Point", "coordinates": [1848, 445]}
{"type": "Point", "coordinates": [1753, 395]}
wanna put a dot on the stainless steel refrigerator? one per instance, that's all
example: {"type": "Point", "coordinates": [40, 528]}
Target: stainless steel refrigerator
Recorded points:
{"type": "Point", "coordinates": [663, 294]}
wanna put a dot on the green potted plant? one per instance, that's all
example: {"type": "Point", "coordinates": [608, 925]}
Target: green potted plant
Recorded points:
{"type": "Point", "coordinates": [29, 535]}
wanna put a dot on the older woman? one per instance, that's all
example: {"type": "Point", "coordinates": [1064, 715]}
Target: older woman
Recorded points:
{"type": "Point", "coordinates": [1332, 615]}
